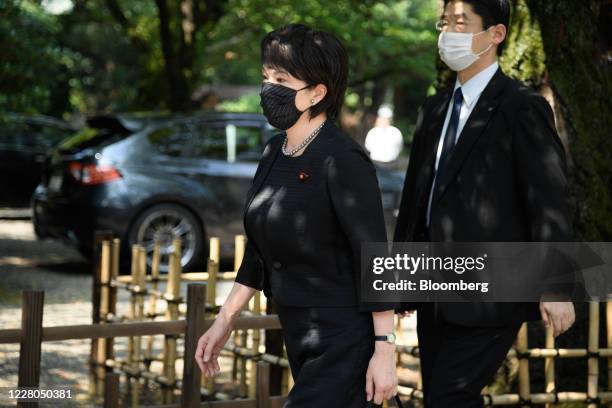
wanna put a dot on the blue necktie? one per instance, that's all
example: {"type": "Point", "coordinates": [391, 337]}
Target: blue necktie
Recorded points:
{"type": "Point", "coordinates": [449, 138]}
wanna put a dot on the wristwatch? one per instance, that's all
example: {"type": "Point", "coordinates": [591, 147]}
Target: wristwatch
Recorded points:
{"type": "Point", "coordinates": [389, 338]}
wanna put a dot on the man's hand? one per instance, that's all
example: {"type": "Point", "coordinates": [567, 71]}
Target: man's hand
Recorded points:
{"type": "Point", "coordinates": [559, 315]}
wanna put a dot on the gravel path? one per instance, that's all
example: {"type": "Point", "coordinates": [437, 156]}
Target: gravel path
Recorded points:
{"type": "Point", "coordinates": [64, 275]}
{"type": "Point", "coordinates": [66, 278]}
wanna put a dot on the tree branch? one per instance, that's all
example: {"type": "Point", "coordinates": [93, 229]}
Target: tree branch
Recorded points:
{"type": "Point", "coordinates": [117, 14]}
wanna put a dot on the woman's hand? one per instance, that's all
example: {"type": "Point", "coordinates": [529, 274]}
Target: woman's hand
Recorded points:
{"type": "Point", "coordinates": [381, 377]}
{"type": "Point", "coordinates": [211, 343]}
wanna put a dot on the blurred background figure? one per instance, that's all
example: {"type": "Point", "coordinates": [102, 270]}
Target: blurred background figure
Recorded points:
{"type": "Point", "coordinates": [384, 141]}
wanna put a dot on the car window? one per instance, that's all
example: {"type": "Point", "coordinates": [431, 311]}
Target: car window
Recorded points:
{"type": "Point", "coordinates": [31, 135]}
{"type": "Point", "coordinates": [248, 143]}
{"type": "Point", "coordinates": [228, 142]}
{"type": "Point", "coordinates": [172, 140]}
{"type": "Point", "coordinates": [45, 135]}
{"type": "Point", "coordinates": [209, 142]}
{"type": "Point", "coordinates": [12, 133]}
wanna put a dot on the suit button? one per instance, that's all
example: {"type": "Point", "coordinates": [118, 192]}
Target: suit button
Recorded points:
{"type": "Point", "coordinates": [277, 265]}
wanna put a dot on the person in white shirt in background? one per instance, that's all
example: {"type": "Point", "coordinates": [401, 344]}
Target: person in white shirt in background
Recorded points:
{"type": "Point", "coordinates": [384, 141]}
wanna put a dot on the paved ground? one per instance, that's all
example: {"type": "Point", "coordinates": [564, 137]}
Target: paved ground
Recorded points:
{"type": "Point", "coordinates": [64, 275]}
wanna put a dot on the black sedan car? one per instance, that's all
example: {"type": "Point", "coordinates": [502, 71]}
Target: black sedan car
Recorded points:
{"type": "Point", "coordinates": [155, 178]}
{"type": "Point", "coordinates": [24, 142]}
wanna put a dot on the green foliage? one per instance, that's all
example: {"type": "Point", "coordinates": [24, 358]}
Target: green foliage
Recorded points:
{"type": "Point", "coordinates": [31, 59]}
{"type": "Point", "coordinates": [113, 60]}
{"type": "Point", "coordinates": [107, 55]}
{"type": "Point", "coordinates": [383, 38]}
{"type": "Point", "coordinates": [246, 103]}
{"type": "Point", "coordinates": [113, 68]}
{"type": "Point", "coordinates": [524, 58]}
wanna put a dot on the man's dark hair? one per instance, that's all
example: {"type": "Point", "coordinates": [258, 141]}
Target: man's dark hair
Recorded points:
{"type": "Point", "coordinates": [315, 57]}
{"type": "Point", "coordinates": [492, 12]}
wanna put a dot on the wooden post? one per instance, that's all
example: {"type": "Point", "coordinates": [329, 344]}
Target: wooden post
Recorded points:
{"type": "Point", "coordinates": [244, 391]}
{"type": "Point", "coordinates": [139, 280]}
{"type": "Point", "coordinates": [240, 336]}
{"type": "Point", "coordinates": [173, 292]}
{"type": "Point", "coordinates": [239, 247]}
{"type": "Point", "coordinates": [111, 390]}
{"type": "Point", "coordinates": [593, 360]}
{"type": "Point", "coordinates": [212, 264]}
{"type": "Point", "coordinates": [155, 262]}
{"type": "Point", "coordinates": [400, 337]}
{"type": "Point", "coordinates": [99, 236]}
{"type": "Point", "coordinates": [255, 303]}
{"type": "Point", "coordinates": [105, 273]}
{"type": "Point", "coordinates": [31, 340]}
{"type": "Point", "coordinates": [263, 385]}
{"type": "Point", "coordinates": [112, 293]}
{"type": "Point", "coordinates": [523, 374]}
{"type": "Point", "coordinates": [174, 269]}
{"type": "Point", "coordinates": [549, 365]}
{"type": "Point", "coordinates": [132, 388]}
{"type": "Point", "coordinates": [213, 269]}
{"type": "Point", "coordinates": [168, 339]}
{"type": "Point", "coordinates": [196, 315]}
{"type": "Point", "coordinates": [215, 249]}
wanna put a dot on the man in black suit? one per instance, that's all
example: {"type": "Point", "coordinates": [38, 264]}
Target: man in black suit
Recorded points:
{"type": "Point", "coordinates": [486, 165]}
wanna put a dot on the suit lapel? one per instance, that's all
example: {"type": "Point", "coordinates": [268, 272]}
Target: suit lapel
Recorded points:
{"type": "Point", "coordinates": [474, 127]}
{"type": "Point", "coordinates": [434, 121]}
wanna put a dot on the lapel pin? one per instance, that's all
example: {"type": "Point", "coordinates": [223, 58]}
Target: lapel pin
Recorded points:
{"type": "Point", "coordinates": [303, 176]}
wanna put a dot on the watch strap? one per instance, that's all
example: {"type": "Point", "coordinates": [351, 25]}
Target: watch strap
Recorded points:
{"type": "Point", "coordinates": [381, 338]}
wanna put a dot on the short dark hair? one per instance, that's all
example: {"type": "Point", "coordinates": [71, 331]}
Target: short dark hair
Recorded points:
{"type": "Point", "coordinates": [492, 12]}
{"type": "Point", "coordinates": [315, 57]}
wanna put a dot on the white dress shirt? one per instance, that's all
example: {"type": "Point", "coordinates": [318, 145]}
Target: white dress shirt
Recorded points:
{"type": "Point", "coordinates": [471, 92]}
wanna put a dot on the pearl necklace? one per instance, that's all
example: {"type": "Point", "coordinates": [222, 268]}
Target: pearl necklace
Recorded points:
{"type": "Point", "coordinates": [301, 145]}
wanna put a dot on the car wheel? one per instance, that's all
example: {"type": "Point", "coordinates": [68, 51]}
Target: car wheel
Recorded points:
{"type": "Point", "coordinates": [163, 223]}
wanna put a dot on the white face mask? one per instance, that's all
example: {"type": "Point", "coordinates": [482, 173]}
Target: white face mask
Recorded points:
{"type": "Point", "coordinates": [456, 49]}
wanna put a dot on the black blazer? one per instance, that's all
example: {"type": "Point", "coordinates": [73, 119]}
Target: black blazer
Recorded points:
{"type": "Point", "coordinates": [315, 258]}
{"type": "Point", "coordinates": [505, 181]}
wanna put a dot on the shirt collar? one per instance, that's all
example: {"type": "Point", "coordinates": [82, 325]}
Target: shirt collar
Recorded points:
{"type": "Point", "coordinates": [474, 86]}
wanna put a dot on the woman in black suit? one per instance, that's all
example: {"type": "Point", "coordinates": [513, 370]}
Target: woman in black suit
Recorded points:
{"type": "Point", "coordinates": [315, 198]}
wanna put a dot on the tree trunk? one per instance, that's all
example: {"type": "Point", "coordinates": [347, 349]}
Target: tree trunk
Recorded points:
{"type": "Point", "coordinates": [577, 77]}
{"type": "Point", "coordinates": [178, 90]}
{"type": "Point", "coordinates": [578, 71]}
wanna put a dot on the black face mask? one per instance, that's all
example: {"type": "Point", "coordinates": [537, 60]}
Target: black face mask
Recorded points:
{"type": "Point", "coordinates": [278, 104]}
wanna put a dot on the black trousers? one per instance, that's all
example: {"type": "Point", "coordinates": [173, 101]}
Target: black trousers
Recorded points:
{"type": "Point", "coordinates": [329, 349]}
{"type": "Point", "coordinates": [458, 361]}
